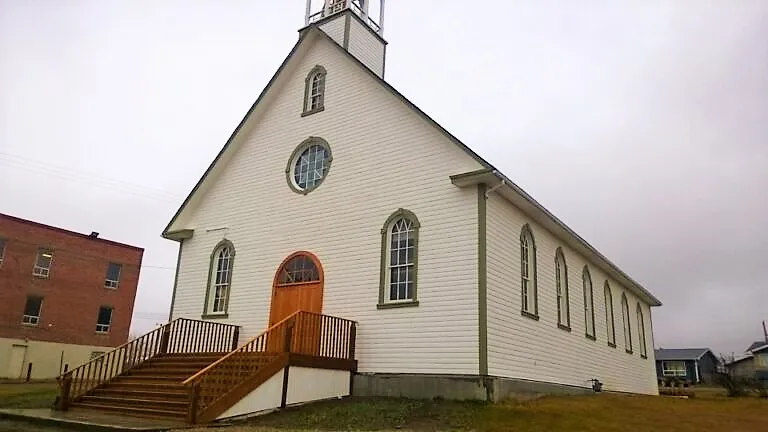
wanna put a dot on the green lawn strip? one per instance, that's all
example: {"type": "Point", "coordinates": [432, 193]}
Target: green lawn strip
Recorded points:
{"type": "Point", "coordinates": [38, 395]}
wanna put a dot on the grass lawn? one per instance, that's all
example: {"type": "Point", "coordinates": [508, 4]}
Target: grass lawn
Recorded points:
{"type": "Point", "coordinates": [604, 412]}
{"type": "Point", "coordinates": [32, 395]}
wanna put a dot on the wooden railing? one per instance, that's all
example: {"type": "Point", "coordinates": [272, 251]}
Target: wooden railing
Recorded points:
{"type": "Point", "coordinates": [214, 388]}
{"type": "Point", "coordinates": [179, 336]}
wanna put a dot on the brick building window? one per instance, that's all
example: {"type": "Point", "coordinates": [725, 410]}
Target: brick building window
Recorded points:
{"type": "Point", "coordinates": [113, 275]}
{"type": "Point", "coordinates": [2, 250]}
{"type": "Point", "coordinates": [104, 320]}
{"type": "Point", "coordinates": [32, 310]}
{"type": "Point", "coordinates": [43, 264]}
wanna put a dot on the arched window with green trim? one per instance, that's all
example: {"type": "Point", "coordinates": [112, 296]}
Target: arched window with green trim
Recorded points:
{"type": "Point", "coordinates": [219, 279]}
{"type": "Point", "coordinates": [399, 260]}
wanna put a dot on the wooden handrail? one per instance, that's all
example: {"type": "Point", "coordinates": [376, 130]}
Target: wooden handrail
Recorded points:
{"type": "Point", "coordinates": [178, 336]}
{"type": "Point", "coordinates": [307, 333]}
{"type": "Point", "coordinates": [233, 352]}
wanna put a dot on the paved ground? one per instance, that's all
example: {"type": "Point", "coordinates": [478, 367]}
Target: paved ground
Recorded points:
{"type": "Point", "coordinates": [14, 426]}
{"type": "Point", "coordinates": [78, 419]}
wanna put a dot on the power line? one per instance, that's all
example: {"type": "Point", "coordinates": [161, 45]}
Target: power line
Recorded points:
{"type": "Point", "coordinates": [45, 168]}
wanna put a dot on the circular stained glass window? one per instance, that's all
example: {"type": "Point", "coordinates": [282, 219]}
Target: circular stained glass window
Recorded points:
{"type": "Point", "coordinates": [309, 165]}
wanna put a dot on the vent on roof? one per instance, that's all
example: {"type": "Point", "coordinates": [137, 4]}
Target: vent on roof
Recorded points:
{"type": "Point", "coordinates": [93, 235]}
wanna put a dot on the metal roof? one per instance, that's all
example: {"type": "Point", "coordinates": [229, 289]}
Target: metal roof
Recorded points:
{"type": "Point", "coordinates": [681, 354]}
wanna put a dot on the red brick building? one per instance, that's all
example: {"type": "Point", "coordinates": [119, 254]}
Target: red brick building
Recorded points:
{"type": "Point", "coordinates": [66, 295]}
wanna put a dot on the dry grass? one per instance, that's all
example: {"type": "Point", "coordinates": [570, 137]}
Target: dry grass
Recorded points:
{"type": "Point", "coordinates": [604, 413]}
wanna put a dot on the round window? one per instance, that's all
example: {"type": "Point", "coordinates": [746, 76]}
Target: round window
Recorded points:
{"type": "Point", "coordinates": [309, 165]}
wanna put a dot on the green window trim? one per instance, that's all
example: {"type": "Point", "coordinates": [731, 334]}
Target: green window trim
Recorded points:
{"type": "Point", "coordinates": [560, 257]}
{"type": "Point", "coordinates": [306, 109]}
{"type": "Point", "coordinates": [586, 276]}
{"type": "Point", "coordinates": [307, 143]}
{"type": "Point", "coordinates": [610, 331]}
{"type": "Point", "coordinates": [641, 331]}
{"type": "Point", "coordinates": [383, 303]}
{"type": "Point", "coordinates": [526, 232]}
{"type": "Point", "coordinates": [627, 321]}
{"type": "Point", "coordinates": [207, 313]}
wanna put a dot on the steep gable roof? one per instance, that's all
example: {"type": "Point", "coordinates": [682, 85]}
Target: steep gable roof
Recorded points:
{"type": "Point", "coordinates": [681, 353]}
{"type": "Point", "coordinates": [489, 171]}
{"type": "Point", "coordinates": [759, 345]}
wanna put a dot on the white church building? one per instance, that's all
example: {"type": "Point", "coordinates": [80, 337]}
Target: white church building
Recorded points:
{"type": "Point", "coordinates": [337, 195]}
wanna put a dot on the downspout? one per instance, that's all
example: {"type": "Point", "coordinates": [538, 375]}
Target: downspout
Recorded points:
{"type": "Point", "coordinates": [696, 364]}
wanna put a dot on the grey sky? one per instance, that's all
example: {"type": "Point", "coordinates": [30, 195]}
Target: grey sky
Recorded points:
{"type": "Point", "coordinates": [641, 124]}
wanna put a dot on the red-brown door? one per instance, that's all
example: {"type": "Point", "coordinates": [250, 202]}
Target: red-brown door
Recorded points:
{"type": "Point", "coordinates": [298, 286]}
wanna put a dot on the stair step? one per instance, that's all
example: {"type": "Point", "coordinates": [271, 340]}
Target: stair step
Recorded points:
{"type": "Point", "coordinates": [146, 386]}
{"type": "Point", "coordinates": [182, 375]}
{"type": "Point", "coordinates": [166, 405]}
{"type": "Point", "coordinates": [142, 393]}
{"type": "Point", "coordinates": [140, 411]}
{"type": "Point", "coordinates": [149, 379]}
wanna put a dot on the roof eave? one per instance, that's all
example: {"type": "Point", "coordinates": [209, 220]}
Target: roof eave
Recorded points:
{"type": "Point", "coordinates": [494, 178]}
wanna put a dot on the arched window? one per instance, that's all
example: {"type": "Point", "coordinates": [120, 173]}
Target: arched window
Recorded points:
{"type": "Point", "coordinates": [298, 270]}
{"type": "Point", "coordinates": [314, 91]}
{"type": "Point", "coordinates": [589, 304]}
{"type": "Point", "coordinates": [627, 326]}
{"type": "Point", "coordinates": [528, 292]}
{"type": "Point", "coordinates": [219, 279]}
{"type": "Point", "coordinates": [561, 288]}
{"type": "Point", "coordinates": [641, 332]}
{"type": "Point", "coordinates": [609, 322]}
{"type": "Point", "coordinates": [399, 260]}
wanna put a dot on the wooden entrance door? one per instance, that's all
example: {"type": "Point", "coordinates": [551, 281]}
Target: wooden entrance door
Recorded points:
{"type": "Point", "coordinates": [298, 286]}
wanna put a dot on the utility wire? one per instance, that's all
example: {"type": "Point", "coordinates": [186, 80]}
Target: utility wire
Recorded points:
{"type": "Point", "coordinates": [45, 168]}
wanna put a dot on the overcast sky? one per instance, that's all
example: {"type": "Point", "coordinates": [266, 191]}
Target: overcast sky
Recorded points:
{"type": "Point", "coordinates": [641, 124]}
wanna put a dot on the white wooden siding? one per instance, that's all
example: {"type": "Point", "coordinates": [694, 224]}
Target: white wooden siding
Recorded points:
{"type": "Point", "coordinates": [366, 46]}
{"type": "Point", "coordinates": [267, 396]}
{"type": "Point", "coordinates": [335, 29]}
{"type": "Point", "coordinates": [311, 384]}
{"type": "Point", "coordinates": [522, 348]}
{"type": "Point", "coordinates": [385, 157]}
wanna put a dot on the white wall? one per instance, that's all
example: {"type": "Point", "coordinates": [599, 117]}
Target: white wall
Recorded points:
{"type": "Point", "coordinates": [384, 157]}
{"type": "Point", "coordinates": [335, 28]}
{"type": "Point", "coordinates": [47, 358]}
{"type": "Point", "coordinates": [520, 347]}
{"type": "Point", "coordinates": [366, 46]}
{"type": "Point", "coordinates": [265, 397]}
{"type": "Point", "coordinates": [307, 384]}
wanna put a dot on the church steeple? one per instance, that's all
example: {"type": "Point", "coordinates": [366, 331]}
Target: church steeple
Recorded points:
{"type": "Point", "coordinates": [355, 26]}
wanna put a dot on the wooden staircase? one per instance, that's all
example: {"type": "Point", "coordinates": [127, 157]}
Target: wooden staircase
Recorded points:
{"type": "Point", "coordinates": [193, 371]}
{"type": "Point", "coordinates": [155, 388]}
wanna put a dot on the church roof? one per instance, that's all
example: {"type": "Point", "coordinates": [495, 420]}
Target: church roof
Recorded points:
{"type": "Point", "coordinates": [527, 203]}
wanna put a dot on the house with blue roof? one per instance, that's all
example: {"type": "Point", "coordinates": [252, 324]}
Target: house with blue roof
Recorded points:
{"type": "Point", "coordinates": [693, 365]}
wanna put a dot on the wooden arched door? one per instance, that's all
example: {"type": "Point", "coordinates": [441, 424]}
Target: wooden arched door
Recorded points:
{"type": "Point", "coordinates": [298, 286]}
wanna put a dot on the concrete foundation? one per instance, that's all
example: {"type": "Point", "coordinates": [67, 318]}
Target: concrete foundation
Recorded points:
{"type": "Point", "coordinates": [456, 387]}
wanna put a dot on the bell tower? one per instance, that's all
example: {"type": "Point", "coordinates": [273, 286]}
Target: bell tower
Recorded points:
{"type": "Point", "coordinates": [353, 24]}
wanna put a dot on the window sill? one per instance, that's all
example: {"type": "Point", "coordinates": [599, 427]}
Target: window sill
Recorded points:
{"type": "Point", "coordinates": [314, 111]}
{"type": "Point", "coordinates": [215, 316]}
{"type": "Point", "coordinates": [36, 276]}
{"type": "Point", "coordinates": [529, 315]}
{"type": "Point", "coordinates": [29, 324]}
{"type": "Point", "coordinates": [590, 337]}
{"type": "Point", "coordinates": [564, 327]}
{"type": "Point", "coordinates": [628, 351]}
{"type": "Point", "coordinates": [397, 305]}
{"type": "Point", "coordinates": [612, 345]}
{"type": "Point", "coordinates": [106, 333]}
